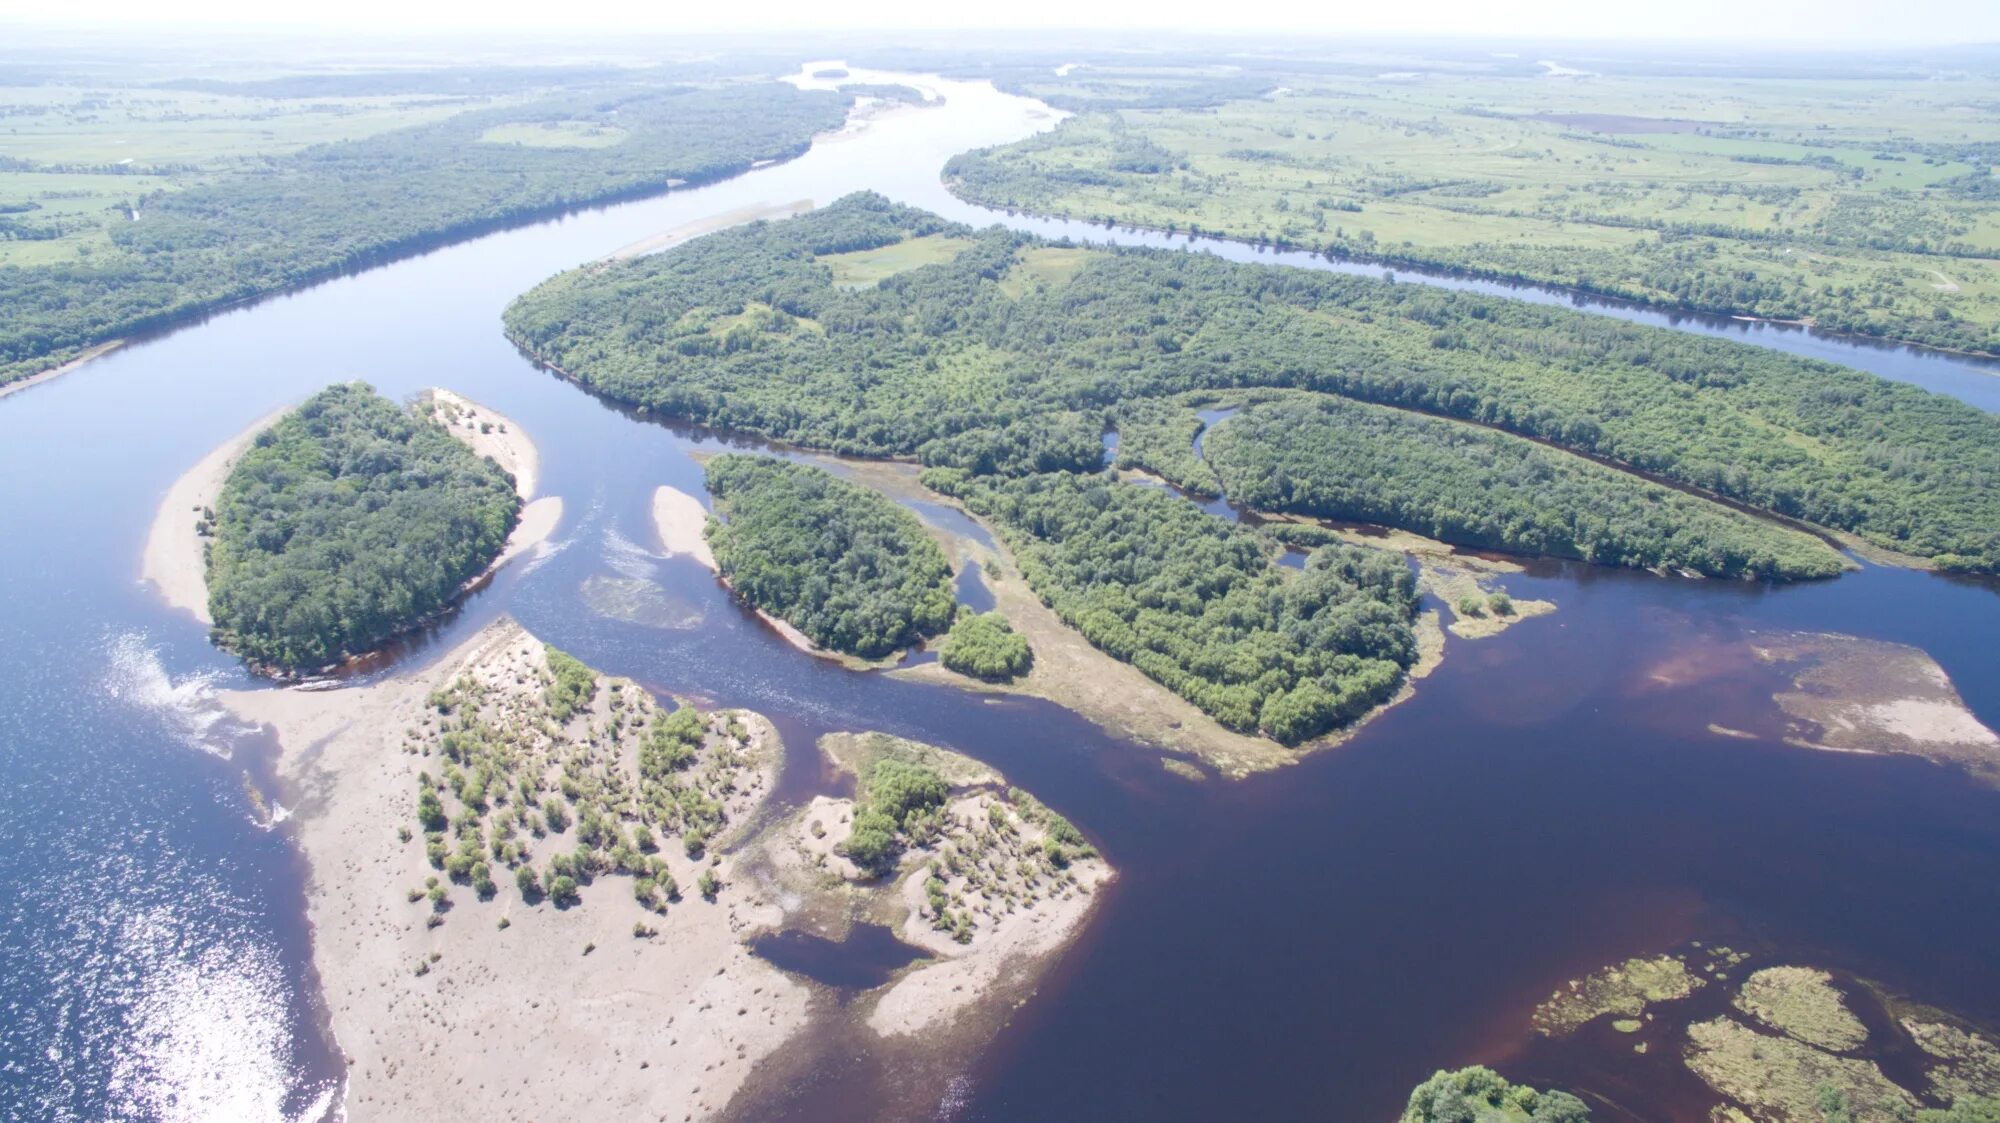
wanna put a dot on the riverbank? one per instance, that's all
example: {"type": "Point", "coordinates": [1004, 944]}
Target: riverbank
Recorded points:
{"type": "Point", "coordinates": [87, 355]}
{"type": "Point", "coordinates": [455, 1019]}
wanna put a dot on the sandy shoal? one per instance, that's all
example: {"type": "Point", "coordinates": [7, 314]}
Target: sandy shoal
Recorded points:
{"type": "Point", "coordinates": [495, 436]}
{"type": "Point", "coordinates": [519, 1023]}
{"type": "Point", "coordinates": [680, 519]}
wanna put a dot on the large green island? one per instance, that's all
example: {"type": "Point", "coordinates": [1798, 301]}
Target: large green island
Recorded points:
{"type": "Point", "coordinates": [346, 522]}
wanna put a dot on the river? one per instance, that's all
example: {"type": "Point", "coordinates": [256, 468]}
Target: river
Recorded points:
{"type": "Point", "coordinates": [1304, 944]}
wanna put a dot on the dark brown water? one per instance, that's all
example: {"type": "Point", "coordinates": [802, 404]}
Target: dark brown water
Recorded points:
{"type": "Point", "coordinates": [1306, 943]}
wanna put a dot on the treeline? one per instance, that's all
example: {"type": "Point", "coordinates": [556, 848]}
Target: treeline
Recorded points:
{"type": "Point", "coordinates": [934, 352]}
{"type": "Point", "coordinates": [312, 214]}
{"type": "Point", "coordinates": [847, 567]}
{"type": "Point", "coordinates": [1195, 602]}
{"type": "Point", "coordinates": [348, 521]}
{"type": "Point", "coordinates": [1333, 458]}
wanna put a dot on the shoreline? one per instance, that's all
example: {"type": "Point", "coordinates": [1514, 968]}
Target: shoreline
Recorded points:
{"type": "Point", "coordinates": [87, 355]}
{"type": "Point", "coordinates": [174, 559]}
{"type": "Point", "coordinates": [1449, 273]}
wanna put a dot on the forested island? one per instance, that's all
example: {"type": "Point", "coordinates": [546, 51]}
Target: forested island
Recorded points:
{"type": "Point", "coordinates": [300, 217]}
{"type": "Point", "coordinates": [1330, 457]}
{"type": "Point", "coordinates": [984, 356]}
{"type": "Point", "coordinates": [849, 568]}
{"type": "Point", "coordinates": [1859, 202]}
{"type": "Point", "coordinates": [346, 522]}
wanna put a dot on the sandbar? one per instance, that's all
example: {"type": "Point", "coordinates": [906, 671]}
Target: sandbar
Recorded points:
{"type": "Point", "coordinates": [561, 1006]}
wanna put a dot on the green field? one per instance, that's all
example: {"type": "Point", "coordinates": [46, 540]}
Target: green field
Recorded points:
{"type": "Point", "coordinates": [76, 159]}
{"type": "Point", "coordinates": [1864, 206]}
{"type": "Point", "coordinates": [863, 268]}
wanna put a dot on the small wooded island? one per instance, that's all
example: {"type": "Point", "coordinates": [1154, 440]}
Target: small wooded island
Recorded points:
{"type": "Point", "coordinates": [844, 565]}
{"type": "Point", "coordinates": [348, 521]}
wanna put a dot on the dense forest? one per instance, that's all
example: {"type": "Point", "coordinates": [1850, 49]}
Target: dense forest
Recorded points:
{"type": "Point", "coordinates": [847, 567]}
{"type": "Point", "coordinates": [345, 523]}
{"type": "Point", "coordinates": [746, 330]}
{"type": "Point", "coordinates": [1195, 602]}
{"type": "Point", "coordinates": [337, 206]}
{"type": "Point", "coordinates": [1314, 454]}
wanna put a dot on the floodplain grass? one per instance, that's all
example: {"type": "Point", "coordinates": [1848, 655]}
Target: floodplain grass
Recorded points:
{"type": "Point", "coordinates": [865, 268]}
{"type": "Point", "coordinates": [1844, 203]}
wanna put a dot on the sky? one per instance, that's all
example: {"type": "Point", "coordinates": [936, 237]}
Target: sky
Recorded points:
{"type": "Point", "coordinates": [1764, 22]}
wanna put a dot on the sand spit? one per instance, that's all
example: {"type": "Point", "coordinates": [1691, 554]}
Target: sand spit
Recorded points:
{"type": "Point", "coordinates": [174, 560]}
{"type": "Point", "coordinates": [561, 1007]}
{"type": "Point", "coordinates": [1862, 695]}
{"type": "Point", "coordinates": [487, 433]}
{"type": "Point", "coordinates": [680, 520]}
{"type": "Point", "coordinates": [667, 239]}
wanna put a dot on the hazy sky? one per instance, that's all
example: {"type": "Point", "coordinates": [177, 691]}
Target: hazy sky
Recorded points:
{"type": "Point", "coordinates": [1769, 22]}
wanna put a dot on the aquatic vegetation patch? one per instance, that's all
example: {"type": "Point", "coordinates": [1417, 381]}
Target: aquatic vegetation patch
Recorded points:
{"type": "Point", "coordinates": [1626, 988]}
{"type": "Point", "coordinates": [1778, 1078]}
{"type": "Point", "coordinates": [1802, 1002]}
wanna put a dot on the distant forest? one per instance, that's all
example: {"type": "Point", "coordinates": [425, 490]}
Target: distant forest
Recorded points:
{"type": "Point", "coordinates": [343, 205]}
{"type": "Point", "coordinates": [346, 522]}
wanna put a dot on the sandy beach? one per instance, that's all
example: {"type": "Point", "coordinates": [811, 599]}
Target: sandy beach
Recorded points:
{"type": "Point", "coordinates": [679, 519]}
{"type": "Point", "coordinates": [174, 561]}
{"type": "Point", "coordinates": [562, 1005]}
{"type": "Point", "coordinates": [494, 436]}
{"type": "Point", "coordinates": [667, 239]}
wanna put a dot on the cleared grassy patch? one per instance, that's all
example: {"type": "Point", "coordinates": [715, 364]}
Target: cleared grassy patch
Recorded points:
{"type": "Point", "coordinates": [862, 268]}
{"type": "Point", "coordinates": [555, 134]}
{"type": "Point", "coordinates": [1050, 266]}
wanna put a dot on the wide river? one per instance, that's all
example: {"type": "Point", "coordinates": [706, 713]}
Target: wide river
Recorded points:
{"type": "Point", "coordinates": [1308, 943]}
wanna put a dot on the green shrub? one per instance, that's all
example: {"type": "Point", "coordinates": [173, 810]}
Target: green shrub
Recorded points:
{"type": "Point", "coordinates": [985, 646]}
